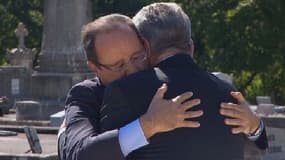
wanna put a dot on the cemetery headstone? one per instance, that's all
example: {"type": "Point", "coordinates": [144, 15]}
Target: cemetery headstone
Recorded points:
{"type": "Point", "coordinates": [275, 127]}
{"type": "Point", "coordinates": [62, 62]}
{"type": "Point", "coordinates": [33, 139]}
{"type": "Point", "coordinates": [266, 109]}
{"type": "Point", "coordinates": [21, 32]}
{"type": "Point", "coordinates": [263, 100]}
{"type": "Point", "coordinates": [57, 118]}
{"type": "Point", "coordinates": [21, 56]}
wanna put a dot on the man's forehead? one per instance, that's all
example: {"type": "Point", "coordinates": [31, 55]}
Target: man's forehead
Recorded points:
{"type": "Point", "coordinates": [121, 31]}
{"type": "Point", "coordinates": [122, 40]}
{"type": "Point", "coordinates": [118, 26]}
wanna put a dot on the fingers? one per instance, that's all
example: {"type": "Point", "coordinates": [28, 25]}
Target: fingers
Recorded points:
{"type": "Point", "coordinates": [190, 104]}
{"type": "Point", "coordinates": [182, 97]}
{"type": "Point", "coordinates": [232, 106]}
{"type": "Point", "coordinates": [160, 91]}
{"type": "Point", "coordinates": [239, 97]}
{"type": "Point", "coordinates": [193, 114]}
{"type": "Point", "coordinates": [237, 130]}
{"type": "Point", "coordinates": [233, 122]}
{"type": "Point", "coordinates": [231, 113]}
{"type": "Point", "coordinates": [190, 124]}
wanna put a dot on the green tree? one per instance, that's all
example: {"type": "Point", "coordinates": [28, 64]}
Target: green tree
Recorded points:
{"type": "Point", "coordinates": [126, 7]}
{"type": "Point", "coordinates": [243, 37]}
{"type": "Point", "coordinates": [30, 12]}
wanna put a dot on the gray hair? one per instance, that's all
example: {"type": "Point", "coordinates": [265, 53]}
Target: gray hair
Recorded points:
{"type": "Point", "coordinates": [164, 25]}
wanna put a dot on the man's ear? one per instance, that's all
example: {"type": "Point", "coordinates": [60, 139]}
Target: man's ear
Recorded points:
{"type": "Point", "coordinates": [92, 66]}
{"type": "Point", "coordinates": [147, 47]}
{"type": "Point", "coordinates": [192, 48]}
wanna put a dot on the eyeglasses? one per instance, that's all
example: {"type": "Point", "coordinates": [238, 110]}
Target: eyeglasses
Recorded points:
{"type": "Point", "coordinates": [134, 60]}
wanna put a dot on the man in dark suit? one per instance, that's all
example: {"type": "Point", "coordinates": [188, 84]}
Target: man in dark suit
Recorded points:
{"type": "Point", "coordinates": [167, 31]}
{"type": "Point", "coordinates": [109, 41]}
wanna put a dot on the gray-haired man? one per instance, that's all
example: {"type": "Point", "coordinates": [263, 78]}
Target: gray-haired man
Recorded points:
{"type": "Point", "coordinates": [167, 30]}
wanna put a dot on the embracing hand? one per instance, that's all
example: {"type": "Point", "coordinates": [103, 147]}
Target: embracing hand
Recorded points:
{"type": "Point", "coordinates": [240, 115]}
{"type": "Point", "coordinates": [165, 115]}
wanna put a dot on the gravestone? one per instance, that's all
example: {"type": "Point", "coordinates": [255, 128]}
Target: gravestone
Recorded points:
{"type": "Point", "coordinates": [263, 100]}
{"type": "Point", "coordinates": [279, 109]}
{"type": "Point", "coordinates": [62, 62]}
{"type": "Point", "coordinates": [265, 109]}
{"type": "Point", "coordinates": [21, 32]}
{"type": "Point", "coordinates": [57, 119]}
{"type": "Point", "coordinates": [14, 83]}
{"type": "Point", "coordinates": [33, 139]}
{"type": "Point", "coordinates": [21, 56]}
{"type": "Point", "coordinates": [264, 105]}
{"type": "Point", "coordinates": [275, 127]}
{"type": "Point", "coordinates": [276, 138]}
{"type": "Point", "coordinates": [274, 119]}
{"type": "Point", "coordinates": [15, 77]}
{"type": "Point", "coordinates": [32, 110]}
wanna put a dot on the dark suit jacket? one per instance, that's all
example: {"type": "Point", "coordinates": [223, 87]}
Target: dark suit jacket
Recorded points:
{"type": "Point", "coordinates": [83, 139]}
{"type": "Point", "coordinates": [127, 99]}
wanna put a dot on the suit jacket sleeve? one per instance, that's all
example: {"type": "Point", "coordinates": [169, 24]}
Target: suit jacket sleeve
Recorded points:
{"type": "Point", "coordinates": [83, 137]}
{"type": "Point", "coordinates": [116, 111]}
{"type": "Point", "coordinates": [262, 142]}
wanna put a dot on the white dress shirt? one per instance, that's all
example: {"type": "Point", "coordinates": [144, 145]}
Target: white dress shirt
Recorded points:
{"type": "Point", "coordinates": [131, 136]}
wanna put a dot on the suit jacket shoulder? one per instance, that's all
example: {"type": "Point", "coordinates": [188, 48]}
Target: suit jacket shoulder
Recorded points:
{"type": "Point", "coordinates": [84, 139]}
{"type": "Point", "coordinates": [85, 89]}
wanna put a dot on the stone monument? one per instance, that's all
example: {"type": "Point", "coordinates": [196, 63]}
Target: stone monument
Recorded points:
{"type": "Point", "coordinates": [62, 62]}
{"type": "Point", "coordinates": [275, 126]}
{"type": "Point", "coordinates": [263, 100]}
{"type": "Point", "coordinates": [21, 56]}
{"type": "Point", "coordinates": [15, 77]}
{"type": "Point", "coordinates": [21, 32]}
{"type": "Point", "coordinates": [274, 118]}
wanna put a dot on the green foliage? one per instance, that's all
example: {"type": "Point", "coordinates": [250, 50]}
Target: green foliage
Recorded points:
{"type": "Point", "coordinates": [242, 37]}
{"type": "Point", "coordinates": [126, 7]}
{"type": "Point", "coordinates": [30, 12]}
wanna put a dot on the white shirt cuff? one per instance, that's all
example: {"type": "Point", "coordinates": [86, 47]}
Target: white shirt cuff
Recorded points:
{"type": "Point", "coordinates": [258, 133]}
{"type": "Point", "coordinates": [131, 137]}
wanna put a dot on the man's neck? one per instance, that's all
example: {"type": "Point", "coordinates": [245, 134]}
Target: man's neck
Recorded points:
{"type": "Point", "coordinates": [163, 56]}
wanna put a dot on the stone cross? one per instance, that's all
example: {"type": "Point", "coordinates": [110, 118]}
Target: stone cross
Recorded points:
{"type": "Point", "coordinates": [21, 32]}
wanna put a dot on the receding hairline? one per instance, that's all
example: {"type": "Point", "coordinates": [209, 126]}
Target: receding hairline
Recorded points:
{"type": "Point", "coordinates": [108, 23]}
{"type": "Point", "coordinates": [105, 24]}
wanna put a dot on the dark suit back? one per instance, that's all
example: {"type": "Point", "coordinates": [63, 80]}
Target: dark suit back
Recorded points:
{"type": "Point", "coordinates": [129, 98]}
